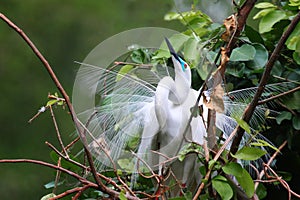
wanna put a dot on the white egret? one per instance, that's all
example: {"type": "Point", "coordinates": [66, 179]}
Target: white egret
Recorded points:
{"type": "Point", "coordinates": [133, 112]}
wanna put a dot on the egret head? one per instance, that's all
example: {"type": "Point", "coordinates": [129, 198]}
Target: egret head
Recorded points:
{"type": "Point", "coordinates": [181, 67]}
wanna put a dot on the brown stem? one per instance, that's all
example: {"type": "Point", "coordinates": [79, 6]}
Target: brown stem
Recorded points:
{"type": "Point", "coordinates": [57, 132]}
{"type": "Point", "coordinates": [278, 96]}
{"type": "Point", "coordinates": [261, 174]}
{"type": "Point", "coordinates": [81, 179]}
{"type": "Point", "coordinates": [265, 77]}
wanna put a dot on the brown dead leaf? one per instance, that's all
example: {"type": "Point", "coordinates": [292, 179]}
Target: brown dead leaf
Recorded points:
{"type": "Point", "coordinates": [215, 99]}
{"type": "Point", "coordinates": [230, 26]}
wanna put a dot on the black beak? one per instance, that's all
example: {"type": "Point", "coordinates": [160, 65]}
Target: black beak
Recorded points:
{"type": "Point", "coordinates": [171, 49]}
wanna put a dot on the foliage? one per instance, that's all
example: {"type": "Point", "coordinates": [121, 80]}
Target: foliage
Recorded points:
{"type": "Point", "coordinates": [200, 45]}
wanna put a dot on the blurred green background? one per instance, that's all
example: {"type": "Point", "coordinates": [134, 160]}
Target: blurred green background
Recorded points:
{"type": "Point", "coordinates": [64, 31]}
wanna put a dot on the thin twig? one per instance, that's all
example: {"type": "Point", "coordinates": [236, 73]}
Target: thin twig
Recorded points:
{"type": "Point", "coordinates": [57, 177]}
{"type": "Point", "coordinates": [80, 178]}
{"type": "Point", "coordinates": [278, 95]}
{"type": "Point", "coordinates": [72, 143]}
{"type": "Point", "coordinates": [108, 180]}
{"type": "Point", "coordinates": [68, 192]}
{"type": "Point", "coordinates": [80, 192]}
{"type": "Point", "coordinates": [261, 174]}
{"type": "Point", "coordinates": [57, 132]}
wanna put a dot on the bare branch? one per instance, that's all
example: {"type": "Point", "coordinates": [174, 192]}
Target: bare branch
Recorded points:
{"type": "Point", "coordinates": [57, 132]}
{"type": "Point", "coordinates": [261, 174]}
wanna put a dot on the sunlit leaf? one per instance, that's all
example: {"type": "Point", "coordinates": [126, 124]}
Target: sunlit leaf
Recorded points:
{"type": "Point", "coordinates": [211, 164]}
{"type": "Point", "coordinates": [123, 71]}
{"type": "Point", "coordinates": [293, 39]}
{"type": "Point", "coordinates": [249, 153]}
{"type": "Point", "coordinates": [294, 3]}
{"type": "Point", "coordinates": [190, 49]}
{"type": "Point", "coordinates": [243, 53]}
{"type": "Point", "coordinates": [263, 143]}
{"type": "Point", "coordinates": [263, 12]}
{"type": "Point", "coordinates": [48, 196]}
{"type": "Point", "coordinates": [265, 5]}
{"type": "Point", "coordinates": [223, 188]}
{"type": "Point", "coordinates": [126, 164]}
{"type": "Point", "coordinates": [122, 196]}
{"type": "Point", "coordinates": [51, 102]}
{"type": "Point", "coordinates": [268, 21]}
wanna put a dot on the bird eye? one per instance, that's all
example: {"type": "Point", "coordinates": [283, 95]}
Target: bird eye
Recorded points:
{"type": "Point", "coordinates": [185, 65]}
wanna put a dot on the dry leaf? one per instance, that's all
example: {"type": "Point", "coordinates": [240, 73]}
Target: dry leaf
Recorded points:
{"type": "Point", "coordinates": [230, 25]}
{"type": "Point", "coordinates": [215, 100]}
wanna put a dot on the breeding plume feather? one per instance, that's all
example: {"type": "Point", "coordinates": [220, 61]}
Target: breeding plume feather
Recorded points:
{"type": "Point", "coordinates": [148, 111]}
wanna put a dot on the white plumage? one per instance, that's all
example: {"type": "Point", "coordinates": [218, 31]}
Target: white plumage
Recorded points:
{"type": "Point", "coordinates": [147, 110]}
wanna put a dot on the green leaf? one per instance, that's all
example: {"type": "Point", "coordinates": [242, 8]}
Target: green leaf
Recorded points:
{"type": "Point", "coordinates": [261, 191]}
{"type": "Point", "coordinates": [260, 57]}
{"type": "Point", "coordinates": [249, 153]}
{"type": "Point", "coordinates": [293, 101]}
{"type": "Point", "coordinates": [263, 13]}
{"type": "Point", "coordinates": [223, 188]}
{"type": "Point", "coordinates": [52, 184]}
{"type": "Point", "coordinates": [123, 71]}
{"type": "Point", "coordinates": [243, 53]}
{"type": "Point", "coordinates": [296, 57]}
{"type": "Point", "coordinates": [126, 164]}
{"type": "Point", "coordinates": [48, 196]}
{"type": "Point", "coordinates": [211, 164]}
{"type": "Point", "coordinates": [190, 49]}
{"type": "Point", "coordinates": [263, 143]}
{"type": "Point", "coordinates": [269, 20]}
{"type": "Point", "coordinates": [253, 35]}
{"type": "Point", "coordinates": [243, 124]}
{"type": "Point", "coordinates": [282, 116]}
{"type": "Point", "coordinates": [122, 196]}
{"type": "Point", "coordinates": [265, 5]}
{"type": "Point", "coordinates": [293, 39]}
{"type": "Point", "coordinates": [51, 102]}
{"type": "Point", "coordinates": [236, 70]}
{"type": "Point", "coordinates": [233, 168]}
{"type": "Point", "coordinates": [161, 53]}
{"type": "Point", "coordinates": [187, 149]}
{"type": "Point", "coordinates": [246, 183]}
{"type": "Point", "coordinates": [294, 3]}
{"type": "Point", "coordinates": [177, 41]}
{"type": "Point", "coordinates": [296, 122]}
{"type": "Point", "coordinates": [241, 175]}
